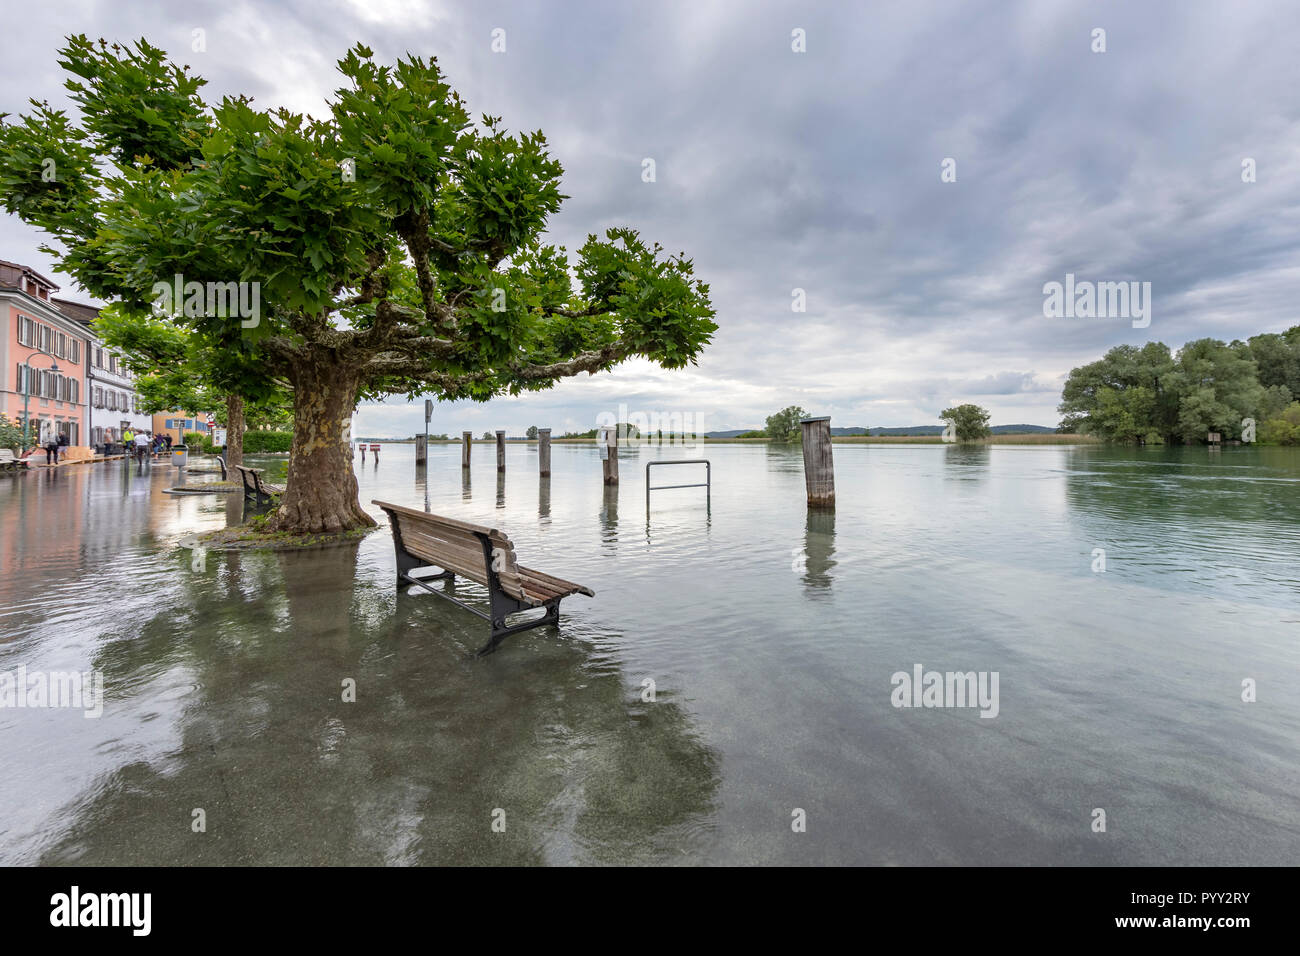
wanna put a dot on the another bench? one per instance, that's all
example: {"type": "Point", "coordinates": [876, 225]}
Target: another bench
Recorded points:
{"type": "Point", "coordinates": [9, 461]}
{"type": "Point", "coordinates": [254, 487]}
{"type": "Point", "coordinates": [481, 554]}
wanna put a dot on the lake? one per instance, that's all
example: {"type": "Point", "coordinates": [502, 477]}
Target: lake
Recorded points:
{"type": "Point", "coordinates": [727, 697]}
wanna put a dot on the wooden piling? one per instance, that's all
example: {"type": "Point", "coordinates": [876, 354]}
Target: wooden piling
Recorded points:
{"type": "Point", "coordinates": [501, 450]}
{"type": "Point", "coordinates": [609, 463]}
{"type": "Point", "coordinates": [466, 443]}
{"type": "Point", "coordinates": [818, 466]}
{"type": "Point", "coordinates": [544, 452]}
{"type": "Point", "coordinates": [421, 449]}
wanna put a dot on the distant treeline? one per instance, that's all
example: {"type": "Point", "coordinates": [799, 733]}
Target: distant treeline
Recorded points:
{"type": "Point", "coordinates": [1153, 395]}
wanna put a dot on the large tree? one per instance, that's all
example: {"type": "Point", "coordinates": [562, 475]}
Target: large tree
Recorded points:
{"type": "Point", "coordinates": [396, 245]}
{"type": "Point", "coordinates": [1095, 399]}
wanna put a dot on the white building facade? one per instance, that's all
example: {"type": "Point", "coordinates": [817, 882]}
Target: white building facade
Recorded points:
{"type": "Point", "coordinates": [112, 404]}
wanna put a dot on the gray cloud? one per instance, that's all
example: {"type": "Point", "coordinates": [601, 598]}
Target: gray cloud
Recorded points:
{"type": "Point", "coordinates": [821, 170]}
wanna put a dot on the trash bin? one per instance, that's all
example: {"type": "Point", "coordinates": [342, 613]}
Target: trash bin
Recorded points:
{"type": "Point", "coordinates": [179, 458]}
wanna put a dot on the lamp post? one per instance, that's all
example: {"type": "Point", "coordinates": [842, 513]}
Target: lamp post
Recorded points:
{"type": "Point", "coordinates": [27, 389]}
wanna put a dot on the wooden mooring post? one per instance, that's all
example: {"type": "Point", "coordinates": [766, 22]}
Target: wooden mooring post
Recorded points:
{"type": "Point", "coordinates": [818, 466]}
{"type": "Point", "coordinates": [544, 452]}
{"type": "Point", "coordinates": [421, 449]}
{"type": "Point", "coordinates": [607, 436]}
{"type": "Point", "coordinates": [466, 443]}
{"type": "Point", "coordinates": [501, 450]}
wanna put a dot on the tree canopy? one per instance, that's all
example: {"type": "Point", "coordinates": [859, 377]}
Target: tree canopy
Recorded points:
{"type": "Point", "coordinates": [970, 422]}
{"type": "Point", "coordinates": [784, 425]}
{"type": "Point", "coordinates": [1149, 394]}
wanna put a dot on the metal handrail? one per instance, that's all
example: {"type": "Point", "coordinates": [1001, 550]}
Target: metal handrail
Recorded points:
{"type": "Point", "coordinates": [706, 484]}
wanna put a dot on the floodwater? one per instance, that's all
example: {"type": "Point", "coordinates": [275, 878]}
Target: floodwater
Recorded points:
{"type": "Point", "coordinates": [768, 635]}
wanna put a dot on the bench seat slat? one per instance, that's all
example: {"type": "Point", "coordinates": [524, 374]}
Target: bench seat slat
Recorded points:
{"type": "Point", "coordinates": [550, 587]}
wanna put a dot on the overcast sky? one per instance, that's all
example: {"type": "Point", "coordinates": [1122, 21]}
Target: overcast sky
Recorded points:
{"type": "Point", "coordinates": [821, 170]}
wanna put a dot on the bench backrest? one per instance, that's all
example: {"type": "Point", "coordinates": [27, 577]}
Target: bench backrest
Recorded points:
{"type": "Point", "coordinates": [456, 545]}
{"type": "Point", "coordinates": [249, 476]}
{"type": "Point", "coordinates": [7, 454]}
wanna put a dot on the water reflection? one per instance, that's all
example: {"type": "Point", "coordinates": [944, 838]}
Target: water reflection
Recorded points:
{"type": "Point", "coordinates": [966, 462]}
{"type": "Point", "coordinates": [544, 500]}
{"type": "Point", "coordinates": [422, 483]}
{"type": "Point", "coordinates": [819, 550]}
{"type": "Point", "coordinates": [784, 458]}
{"type": "Point", "coordinates": [609, 514]}
{"type": "Point", "coordinates": [465, 491]}
{"type": "Point", "coordinates": [501, 489]}
{"type": "Point", "coordinates": [410, 773]}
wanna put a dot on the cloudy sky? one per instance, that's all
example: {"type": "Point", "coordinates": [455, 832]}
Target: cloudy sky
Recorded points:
{"type": "Point", "coordinates": [822, 170]}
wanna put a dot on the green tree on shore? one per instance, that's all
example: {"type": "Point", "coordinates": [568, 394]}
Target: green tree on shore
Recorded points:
{"type": "Point", "coordinates": [1150, 395]}
{"type": "Point", "coordinates": [784, 425]}
{"type": "Point", "coordinates": [970, 422]}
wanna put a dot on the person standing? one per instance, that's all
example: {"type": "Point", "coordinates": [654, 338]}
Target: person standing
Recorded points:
{"type": "Point", "coordinates": [51, 450]}
{"type": "Point", "coordinates": [141, 446]}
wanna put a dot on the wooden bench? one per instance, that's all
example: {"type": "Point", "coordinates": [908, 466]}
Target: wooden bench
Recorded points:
{"type": "Point", "coordinates": [481, 554]}
{"type": "Point", "coordinates": [254, 487]}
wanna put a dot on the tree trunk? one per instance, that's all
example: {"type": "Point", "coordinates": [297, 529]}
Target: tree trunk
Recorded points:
{"type": "Point", "coordinates": [321, 496]}
{"type": "Point", "coordinates": [234, 430]}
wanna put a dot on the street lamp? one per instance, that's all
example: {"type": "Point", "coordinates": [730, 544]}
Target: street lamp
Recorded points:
{"type": "Point", "coordinates": [27, 389]}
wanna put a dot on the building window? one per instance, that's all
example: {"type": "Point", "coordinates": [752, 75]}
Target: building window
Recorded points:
{"type": "Point", "coordinates": [25, 328]}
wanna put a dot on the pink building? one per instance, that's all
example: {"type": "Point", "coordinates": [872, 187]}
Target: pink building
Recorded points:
{"type": "Point", "coordinates": [43, 352]}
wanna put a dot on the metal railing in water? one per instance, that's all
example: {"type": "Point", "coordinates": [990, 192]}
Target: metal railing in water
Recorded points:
{"type": "Point", "coordinates": [706, 484]}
